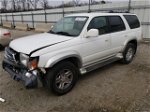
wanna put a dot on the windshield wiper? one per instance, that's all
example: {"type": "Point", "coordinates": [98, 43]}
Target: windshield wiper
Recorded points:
{"type": "Point", "coordinates": [61, 33]}
{"type": "Point", "coordinates": [64, 33]}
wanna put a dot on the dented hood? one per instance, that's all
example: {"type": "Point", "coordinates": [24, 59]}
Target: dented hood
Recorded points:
{"type": "Point", "coordinates": [36, 42]}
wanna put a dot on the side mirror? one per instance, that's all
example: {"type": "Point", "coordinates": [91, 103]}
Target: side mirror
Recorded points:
{"type": "Point", "coordinates": [92, 33]}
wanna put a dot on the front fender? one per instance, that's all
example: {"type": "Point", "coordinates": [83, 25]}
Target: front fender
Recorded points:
{"type": "Point", "coordinates": [51, 61]}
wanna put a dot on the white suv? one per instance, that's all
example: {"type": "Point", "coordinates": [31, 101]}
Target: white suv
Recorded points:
{"type": "Point", "coordinates": [75, 45]}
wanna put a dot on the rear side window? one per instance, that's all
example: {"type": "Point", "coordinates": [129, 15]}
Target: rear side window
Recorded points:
{"type": "Point", "coordinates": [116, 24]}
{"type": "Point", "coordinates": [132, 21]}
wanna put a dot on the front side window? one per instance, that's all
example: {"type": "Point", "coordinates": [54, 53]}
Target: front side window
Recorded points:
{"type": "Point", "coordinates": [116, 23]}
{"type": "Point", "coordinates": [69, 26]}
{"type": "Point", "coordinates": [99, 23]}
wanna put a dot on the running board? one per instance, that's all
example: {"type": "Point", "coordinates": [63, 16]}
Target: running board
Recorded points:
{"type": "Point", "coordinates": [98, 65]}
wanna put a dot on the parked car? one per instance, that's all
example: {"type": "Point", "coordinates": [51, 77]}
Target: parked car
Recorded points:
{"type": "Point", "coordinates": [5, 37]}
{"type": "Point", "coordinates": [77, 44]}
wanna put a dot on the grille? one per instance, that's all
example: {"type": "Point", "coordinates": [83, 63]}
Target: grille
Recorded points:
{"type": "Point", "coordinates": [11, 55]}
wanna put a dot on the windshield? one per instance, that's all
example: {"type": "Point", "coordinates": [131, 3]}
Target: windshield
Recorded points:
{"type": "Point", "coordinates": [69, 26]}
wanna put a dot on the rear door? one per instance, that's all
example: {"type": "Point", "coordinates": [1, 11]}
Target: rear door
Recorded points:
{"type": "Point", "coordinates": [134, 24]}
{"type": "Point", "coordinates": [117, 31]}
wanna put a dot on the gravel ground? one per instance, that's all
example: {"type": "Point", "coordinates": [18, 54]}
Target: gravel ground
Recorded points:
{"type": "Point", "coordinates": [113, 88]}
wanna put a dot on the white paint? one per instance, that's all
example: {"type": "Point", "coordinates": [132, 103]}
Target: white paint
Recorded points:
{"type": "Point", "coordinates": [33, 42]}
{"type": "Point", "coordinates": [89, 50]}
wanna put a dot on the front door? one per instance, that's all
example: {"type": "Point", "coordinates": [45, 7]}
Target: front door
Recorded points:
{"type": "Point", "coordinates": [96, 48]}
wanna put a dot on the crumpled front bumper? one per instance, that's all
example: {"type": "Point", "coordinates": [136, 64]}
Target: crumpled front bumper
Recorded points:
{"type": "Point", "coordinates": [19, 73]}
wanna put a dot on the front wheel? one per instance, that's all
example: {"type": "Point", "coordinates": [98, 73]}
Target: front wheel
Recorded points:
{"type": "Point", "coordinates": [62, 77]}
{"type": "Point", "coordinates": [129, 53]}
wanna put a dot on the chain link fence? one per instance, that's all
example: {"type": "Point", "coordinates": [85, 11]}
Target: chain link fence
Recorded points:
{"type": "Point", "coordinates": [141, 8]}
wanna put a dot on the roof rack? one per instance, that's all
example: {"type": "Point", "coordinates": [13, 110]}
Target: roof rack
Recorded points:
{"type": "Point", "coordinates": [111, 11]}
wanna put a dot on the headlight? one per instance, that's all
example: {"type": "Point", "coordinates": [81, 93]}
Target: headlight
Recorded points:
{"type": "Point", "coordinates": [24, 59]}
{"type": "Point", "coordinates": [33, 63]}
{"type": "Point", "coordinates": [30, 62]}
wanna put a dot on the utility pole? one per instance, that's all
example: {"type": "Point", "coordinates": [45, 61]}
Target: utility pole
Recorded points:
{"type": "Point", "coordinates": [89, 6]}
{"type": "Point", "coordinates": [14, 5]}
{"type": "Point", "coordinates": [45, 14]}
{"type": "Point", "coordinates": [63, 8]}
{"type": "Point", "coordinates": [129, 6]}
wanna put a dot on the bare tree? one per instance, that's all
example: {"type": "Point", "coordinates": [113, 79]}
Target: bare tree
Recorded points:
{"type": "Point", "coordinates": [36, 3]}
{"type": "Point", "coordinates": [44, 4]}
{"type": "Point", "coordinates": [17, 5]}
{"type": "Point", "coordinates": [29, 4]}
{"type": "Point", "coordinates": [13, 5]}
{"type": "Point", "coordinates": [23, 4]}
{"type": "Point", "coordinates": [76, 2]}
{"type": "Point", "coordinates": [4, 5]}
{"type": "Point", "coordinates": [92, 1]}
{"type": "Point", "coordinates": [33, 4]}
{"type": "Point", "coordinates": [103, 2]}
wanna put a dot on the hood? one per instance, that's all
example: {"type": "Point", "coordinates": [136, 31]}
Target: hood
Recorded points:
{"type": "Point", "coordinates": [36, 42]}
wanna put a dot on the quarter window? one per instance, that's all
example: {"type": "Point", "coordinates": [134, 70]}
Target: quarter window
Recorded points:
{"type": "Point", "coordinates": [132, 21]}
{"type": "Point", "coordinates": [99, 23]}
{"type": "Point", "coordinates": [116, 24]}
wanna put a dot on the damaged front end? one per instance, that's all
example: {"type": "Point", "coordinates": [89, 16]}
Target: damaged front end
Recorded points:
{"type": "Point", "coordinates": [20, 68]}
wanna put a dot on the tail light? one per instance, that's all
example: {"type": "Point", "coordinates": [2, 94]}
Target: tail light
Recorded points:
{"type": "Point", "coordinates": [7, 34]}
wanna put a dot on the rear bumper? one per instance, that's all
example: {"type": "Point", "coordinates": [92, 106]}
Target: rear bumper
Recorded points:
{"type": "Point", "coordinates": [19, 73]}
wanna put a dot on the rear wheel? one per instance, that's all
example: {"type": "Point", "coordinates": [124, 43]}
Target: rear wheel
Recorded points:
{"type": "Point", "coordinates": [62, 78]}
{"type": "Point", "coordinates": [129, 53]}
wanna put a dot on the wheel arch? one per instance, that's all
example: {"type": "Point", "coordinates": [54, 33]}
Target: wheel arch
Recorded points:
{"type": "Point", "coordinates": [133, 41]}
{"type": "Point", "coordinates": [75, 59]}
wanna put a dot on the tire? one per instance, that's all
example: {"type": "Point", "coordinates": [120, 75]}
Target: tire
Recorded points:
{"type": "Point", "coordinates": [62, 78]}
{"type": "Point", "coordinates": [129, 53]}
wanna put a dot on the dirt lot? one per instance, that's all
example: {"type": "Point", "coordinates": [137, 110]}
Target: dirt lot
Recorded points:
{"type": "Point", "coordinates": [113, 88]}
